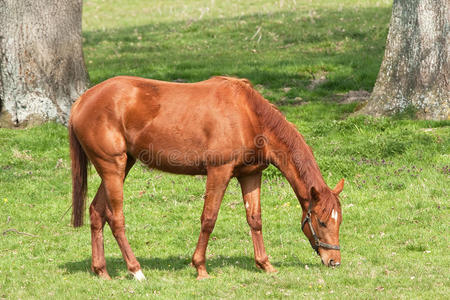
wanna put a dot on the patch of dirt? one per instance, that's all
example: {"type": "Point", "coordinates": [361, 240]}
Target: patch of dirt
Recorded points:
{"type": "Point", "coordinates": [297, 101]}
{"type": "Point", "coordinates": [25, 155]}
{"type": "Point", "coordinates": [180, 80]}
{"type": "Point", "coordinates": [353, 96]}
{"type": "Point", "coordinates": [318, 79]}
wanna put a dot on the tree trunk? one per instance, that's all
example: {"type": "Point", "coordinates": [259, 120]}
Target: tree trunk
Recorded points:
{"type": "Point", "coordinates": [42, 70]}
{"type": "Point", "coordinates": [415, 68]}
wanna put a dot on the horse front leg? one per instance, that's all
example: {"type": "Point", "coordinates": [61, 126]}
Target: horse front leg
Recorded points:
{"type": "Point", "coordinates": [216, 184]}
{"type": "Point", "coordinates": [251, 188]}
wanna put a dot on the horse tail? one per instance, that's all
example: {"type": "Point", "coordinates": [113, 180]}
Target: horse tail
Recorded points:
{"type": "Point", "coordinates": [79, 178]}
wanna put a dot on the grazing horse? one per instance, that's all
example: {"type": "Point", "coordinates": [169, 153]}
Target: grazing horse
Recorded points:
{"type": "Point", "coordinates": [221, 128]}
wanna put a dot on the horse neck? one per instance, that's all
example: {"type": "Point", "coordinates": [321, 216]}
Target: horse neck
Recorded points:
{"type": "Point", "coordinates": [296, 161]}
{"type": "Point", "coordinates": [286, 148]}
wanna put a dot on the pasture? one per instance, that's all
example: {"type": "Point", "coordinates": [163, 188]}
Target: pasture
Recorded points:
{"type": "Point", "coordinates": [303, 56]}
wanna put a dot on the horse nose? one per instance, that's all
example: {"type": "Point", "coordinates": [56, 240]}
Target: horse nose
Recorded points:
{"type": "Point", "coordinates": [332, 263]}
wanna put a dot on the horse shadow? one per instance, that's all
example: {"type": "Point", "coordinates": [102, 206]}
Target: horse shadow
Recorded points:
{"type": "Point", "coordinates": [174, 263]}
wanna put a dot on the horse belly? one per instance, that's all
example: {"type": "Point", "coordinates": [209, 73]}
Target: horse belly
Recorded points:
{"type": "Point", "coordinates": [170, 158]}
{"type": "Point", "coordinates": [181, 152]}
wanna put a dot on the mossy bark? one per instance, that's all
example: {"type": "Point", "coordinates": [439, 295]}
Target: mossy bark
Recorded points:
{"type": "Point", "coordinates": [42, 70]}
{"type": "Point", "coordinates": [415, 69]}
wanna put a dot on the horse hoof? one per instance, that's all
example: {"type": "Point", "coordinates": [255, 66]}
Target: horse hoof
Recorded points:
{"type": "Point", "coordinates": [139, 276]}
{"type": "Point", "coordinates": [203, 276]}
{"type": "Point", "coordinates": [268, 268]}
{"type": "Point", "coordinates": [104, 276]}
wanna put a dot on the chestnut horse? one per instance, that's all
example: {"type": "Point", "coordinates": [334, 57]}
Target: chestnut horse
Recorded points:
{"type": "Point", "coordinates": [220, 127]}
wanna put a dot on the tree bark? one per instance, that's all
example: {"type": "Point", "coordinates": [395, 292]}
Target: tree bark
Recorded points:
{"type": "Point", "coordinates": [415, 69]}
{"type": "Point", "coordinates": [42, 70]}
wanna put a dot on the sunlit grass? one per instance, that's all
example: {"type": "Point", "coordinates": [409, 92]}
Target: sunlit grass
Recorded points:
{"type": "Point", "coordinates": [282, 46]}
{"type": "Point", "coordinates": [394, 236]}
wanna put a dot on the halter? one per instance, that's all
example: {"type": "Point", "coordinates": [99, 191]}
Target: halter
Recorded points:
{"type": "Point", "coordinates": [318, 243]}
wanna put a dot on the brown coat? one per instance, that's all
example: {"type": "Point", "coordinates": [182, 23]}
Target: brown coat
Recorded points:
{"type": "Point", "coordinates": [220, 127]}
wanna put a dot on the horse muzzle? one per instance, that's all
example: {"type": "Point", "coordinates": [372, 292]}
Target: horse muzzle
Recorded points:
{"type": "Point", "coordinates": [331, 262]}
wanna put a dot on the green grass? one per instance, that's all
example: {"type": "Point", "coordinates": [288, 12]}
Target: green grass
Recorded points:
{"type": "Point", "coordinates": [276, 45]}
{"type": "Point", "coordinates": [394, 235]}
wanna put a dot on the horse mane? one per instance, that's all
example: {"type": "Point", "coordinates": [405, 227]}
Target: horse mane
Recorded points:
{"type": "Point", "coordinates": [301, 154]}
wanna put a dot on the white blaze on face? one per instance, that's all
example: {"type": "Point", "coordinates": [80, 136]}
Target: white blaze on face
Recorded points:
{"type": "Point", "coordinates": [334, 215]}
{"type": "Point", "coordinates": [247, 205]}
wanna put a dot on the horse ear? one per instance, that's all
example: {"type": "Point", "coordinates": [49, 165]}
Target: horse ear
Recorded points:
{"type": "Point", "coordinates": [314, 194]}
{"type": "Point", "coordinates": [339, 187]}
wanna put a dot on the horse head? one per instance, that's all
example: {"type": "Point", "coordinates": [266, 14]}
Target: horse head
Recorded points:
{"type": "Point", "coordinates": [321, 220]}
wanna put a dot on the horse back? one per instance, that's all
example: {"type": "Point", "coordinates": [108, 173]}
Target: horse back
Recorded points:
{"type": "Point", "coordinates": [170, 124]}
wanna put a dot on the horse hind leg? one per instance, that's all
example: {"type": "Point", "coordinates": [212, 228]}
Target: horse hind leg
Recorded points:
{"type": "Point", "coordinates": [97, 212]}
{"type": "Point", "coordinates": [113, 172]}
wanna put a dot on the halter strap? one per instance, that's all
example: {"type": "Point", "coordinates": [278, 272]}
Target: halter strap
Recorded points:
{"type": "Point", "coordinates": [318, 243]}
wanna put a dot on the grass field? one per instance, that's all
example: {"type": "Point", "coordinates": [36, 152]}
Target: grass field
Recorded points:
{"type": "Point", "coordinates": [301, 55]}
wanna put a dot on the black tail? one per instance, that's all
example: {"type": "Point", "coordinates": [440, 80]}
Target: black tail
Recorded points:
{"type": "Point", "coordinates": [79, 178]}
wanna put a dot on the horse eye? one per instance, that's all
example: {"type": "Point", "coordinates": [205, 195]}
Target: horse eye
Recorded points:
{"type": "Point", "coordinates": [322, 224]}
